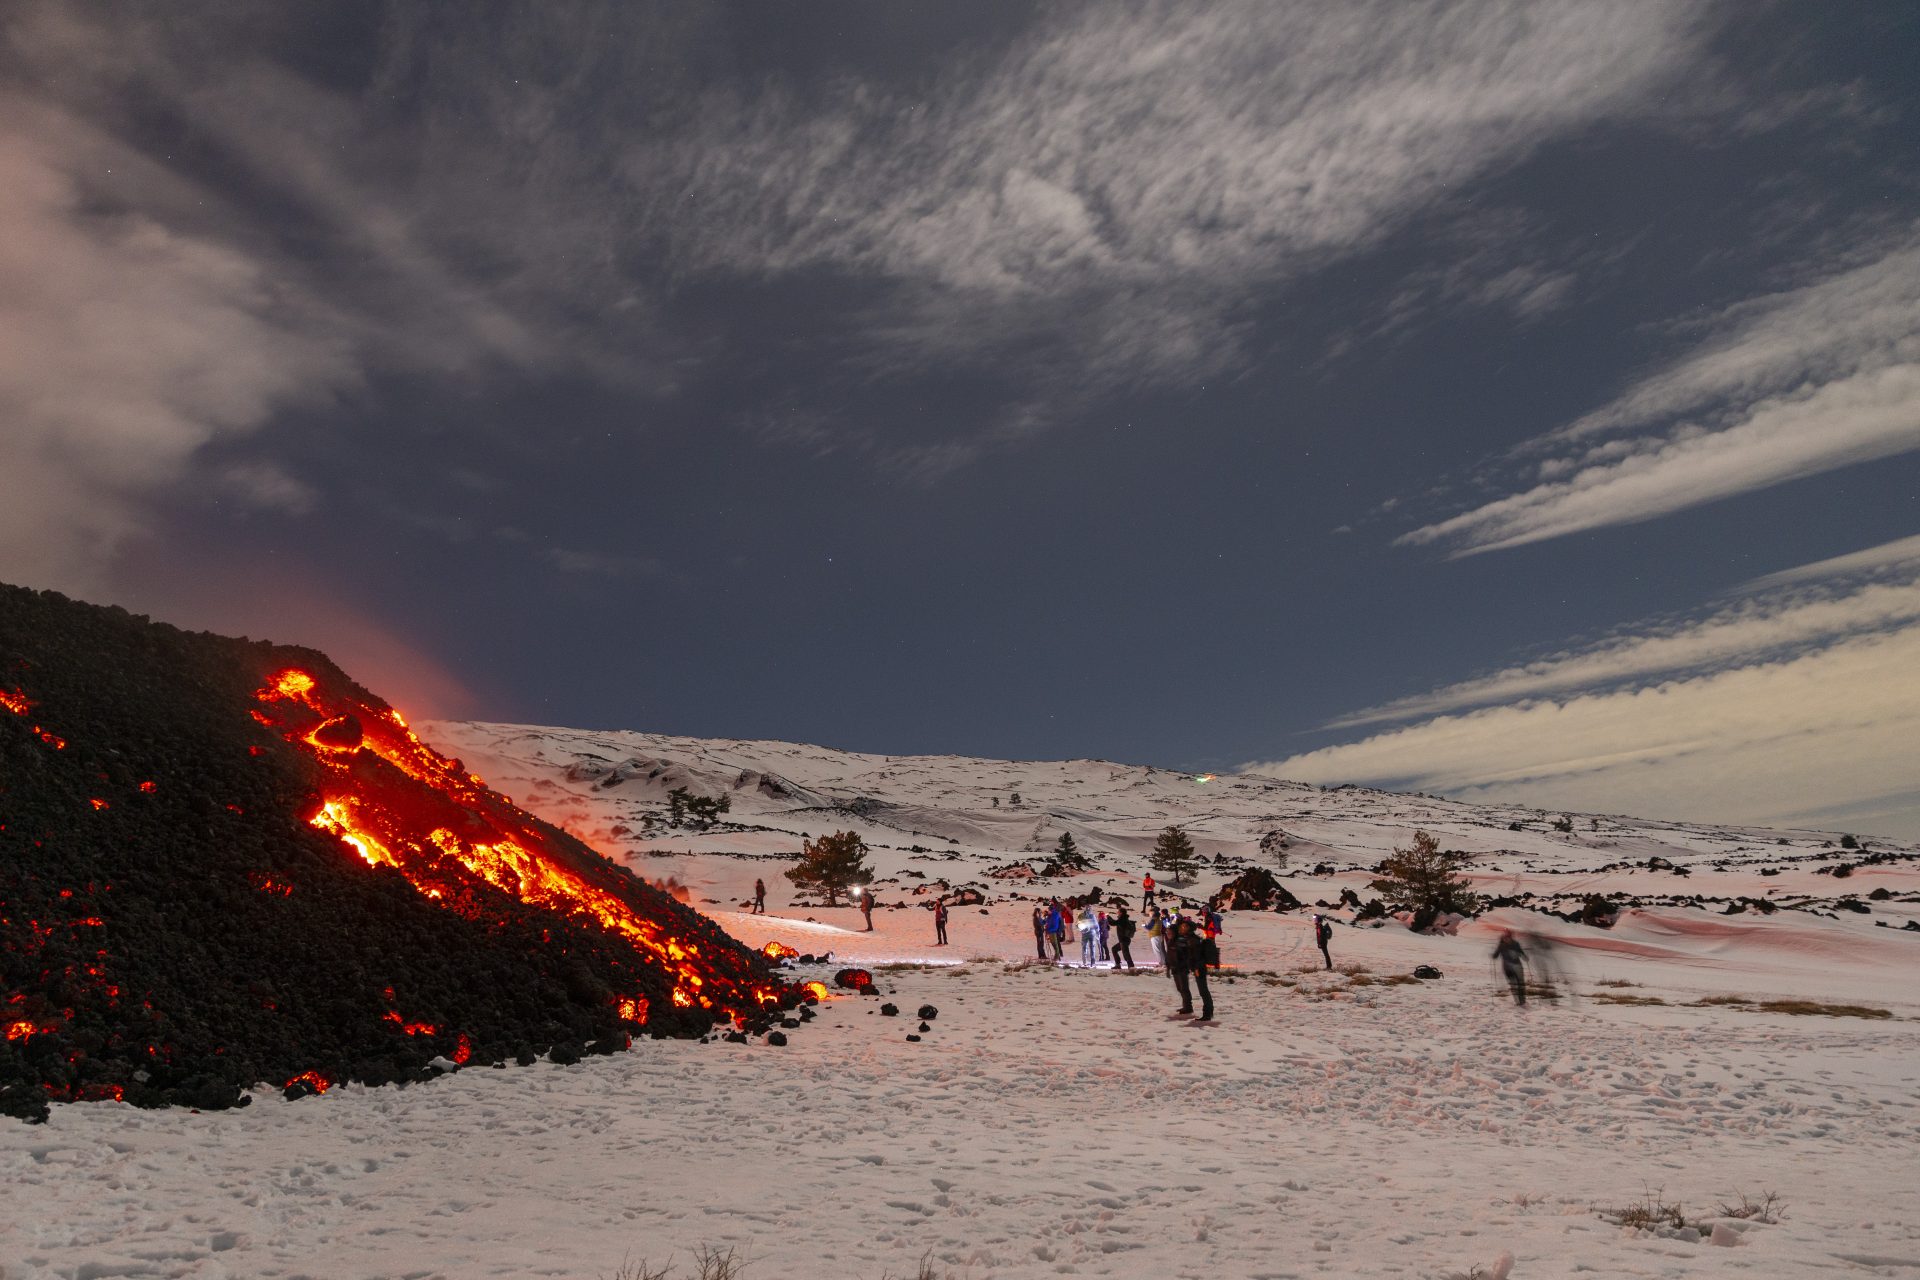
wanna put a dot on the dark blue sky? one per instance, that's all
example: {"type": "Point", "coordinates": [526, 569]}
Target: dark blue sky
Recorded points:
{"type": "Point", "coordinates": [1408, 394]}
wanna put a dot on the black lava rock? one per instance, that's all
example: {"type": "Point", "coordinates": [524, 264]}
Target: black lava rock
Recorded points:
{"type": "Point", "coordinates": [196, 934]}
{"type": "Point", "coordinates": [928, 1012]}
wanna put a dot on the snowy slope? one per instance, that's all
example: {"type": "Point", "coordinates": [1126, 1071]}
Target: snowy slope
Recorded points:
{"type": "Point", "coordinates": [1056, 1121]}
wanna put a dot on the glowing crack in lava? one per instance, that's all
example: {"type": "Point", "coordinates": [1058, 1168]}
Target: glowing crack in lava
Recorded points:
{"type": "Point", "coordinates": [398, 803]}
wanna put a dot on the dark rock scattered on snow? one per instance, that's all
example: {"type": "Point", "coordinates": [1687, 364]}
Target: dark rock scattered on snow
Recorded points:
{"type": "Point", "coordinates": [1254, 889]}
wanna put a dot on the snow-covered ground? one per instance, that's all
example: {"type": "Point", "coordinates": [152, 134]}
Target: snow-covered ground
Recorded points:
{"type": "Point", "coordinates": [1057, 1121]}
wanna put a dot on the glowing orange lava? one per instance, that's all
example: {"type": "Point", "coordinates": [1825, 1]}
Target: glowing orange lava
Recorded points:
{"type": "Point", "coordinates": [398, 803]}
{"type": "Point", "coordinates": [313, 1080]}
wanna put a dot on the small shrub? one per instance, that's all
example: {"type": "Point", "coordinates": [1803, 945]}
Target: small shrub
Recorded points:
{"type": "Point", "coordinates": [1768, 1208]}
{"type": "Point", "coordinates": [1817, 1008]}
{"type": "Point", "coordinates": [1646, 1213]}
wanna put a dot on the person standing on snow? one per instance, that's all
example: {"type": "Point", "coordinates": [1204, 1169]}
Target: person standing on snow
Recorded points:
{"type": "Point", "coordinates": [1322, 935]}
{"type": "Point", "coordinates": [866, 907]}
{"type": "Point", "coordinates": [1123, 938]}
{"type": "Point", "coordinates": [1103, 930]}
{"type": "Point", "coordinates": [1513, 964]}
{"type": "Point", "coordinates": [1210, 928]}
{"type": "Point", "coordinates": [1146, 892]}
{"type": "Point", "coordinates": [1157, 936]}
{"type": "Point", "coordinates": [1089, 936]}
{"type": "Point", "coordinates": [1190, 953]}
{"type": "Point", "coordinates": [1040, 933]}
{"type": "Point", "coordinates": [940, 922]}
{"type": "Point", "coordinates": [759, 897]}
{"type": "Point", "coordinates": [1056, 927]}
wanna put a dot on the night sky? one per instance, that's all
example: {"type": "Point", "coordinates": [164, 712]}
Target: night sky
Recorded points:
{"type": "Point", "coordinates": [1505, 400]}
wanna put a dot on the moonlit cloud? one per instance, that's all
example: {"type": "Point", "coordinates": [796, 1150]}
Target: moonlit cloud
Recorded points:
{"type": "Point", "coordinates": [127, 348]}
{"type": "Point", "coordinates": [1808, 380]}
{"type": "Point", "coordinates": [1799, 705]}
{"type": "Point", "coordinates": [1106, 198]}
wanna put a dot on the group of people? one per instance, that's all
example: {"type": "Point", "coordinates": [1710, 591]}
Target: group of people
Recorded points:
{"type": "Point", "coordinates": [1185, 946]}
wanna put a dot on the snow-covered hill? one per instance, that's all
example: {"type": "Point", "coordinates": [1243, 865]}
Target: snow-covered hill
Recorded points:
{"type": "Point", "coordinates": [936, 823]}
{"type": "Point", "coordinates": [1055, 1120]}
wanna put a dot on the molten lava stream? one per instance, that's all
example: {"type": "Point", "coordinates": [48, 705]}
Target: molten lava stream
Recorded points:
{"type": "Point", "coordinates": [398, 803]}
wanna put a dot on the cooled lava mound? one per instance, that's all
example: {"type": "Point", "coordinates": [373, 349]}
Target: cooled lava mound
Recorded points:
{"type": "Point", "coordinates": [225, 864]}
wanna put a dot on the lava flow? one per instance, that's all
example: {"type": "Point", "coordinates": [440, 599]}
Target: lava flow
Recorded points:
{"type": "Point", "coordinates": [398, 803]}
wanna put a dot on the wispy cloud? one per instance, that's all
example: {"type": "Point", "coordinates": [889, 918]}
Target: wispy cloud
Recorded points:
{"type": "Point", "coordinates": [1800, 701]}
{"type": "Point", "coordinates": [1793, 384]}
{"type": "Point", "coordinates": [1770, 620]}
{"type": "Point", "coordinates": [1102, 203]}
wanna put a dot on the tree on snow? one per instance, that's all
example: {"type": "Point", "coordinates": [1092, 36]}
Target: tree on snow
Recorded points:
{"type": "Point", "coordinates": [1425, 880]}
{"type": "Point", "coordinates": [1173, 856]}
{"type": "Point", "coordinates": [832, 864]}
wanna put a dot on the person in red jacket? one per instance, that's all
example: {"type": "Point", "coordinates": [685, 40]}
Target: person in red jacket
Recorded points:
{"type": "Point", "coordinates": [940, 922]}
{"type": "Point", "coordinates": [1146, 893]}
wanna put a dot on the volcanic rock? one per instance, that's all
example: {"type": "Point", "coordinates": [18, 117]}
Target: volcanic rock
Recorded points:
{"type": "Point", "coordinates": [1254, 889]}
{"type": "Point", "coordinates": [928, 1012]}
{"type": "Point", "coordinates": [776, 1038]}
{"type": "Point", "coordinates": [223, 862]}
{"type": "Point", "coordinates": [889, 1010]}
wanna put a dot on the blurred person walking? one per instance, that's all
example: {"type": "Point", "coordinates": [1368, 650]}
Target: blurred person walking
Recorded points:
{"type": "Point", "coordinates": [1513, 964]}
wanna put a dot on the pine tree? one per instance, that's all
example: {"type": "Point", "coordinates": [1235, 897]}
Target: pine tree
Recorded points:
{"type": "Point", "coordinates": [1173, 856]}
{"type": "Point", "coordinates": [1067, 854]}
{"type": "Point", "coordinates": [1425, 880]}
{"type": "Point", "coordinates": [832, 864]}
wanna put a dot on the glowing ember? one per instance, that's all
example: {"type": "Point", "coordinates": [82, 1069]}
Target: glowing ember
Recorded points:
{"type": "Point", "coordinates": [818, 990]}
{"type": "Point", "coordinates": [313, 1080]}
{"type": "Point", "coordinates": [22, 1029]}
{"type": "Point", "coordinates": [15, 701]}
{"type": "Point", "coordinates": [778, 951]}
{"type": "Point", "coordinates": [854, 980]}
{"type": "Point", "coordinates": [411, 1028]}
{"type": "Point", "coordinates": [634, 1010]}
{"type": "Point", "coordinates": [463, 1052]}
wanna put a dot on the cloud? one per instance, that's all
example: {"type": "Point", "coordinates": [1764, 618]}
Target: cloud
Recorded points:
{"type": "Point", "coordinates": [602, 564]}
{"type": "Point", "coordinates": [1798, 706]}
{"type": "Point", "coordinates": [1808, 380]}
{"type": "Point", "coordinates": [1745, 630]}
{"type": "Point", "coordinates": [1105, 200]}
{"type": "Point", "coordinates": [128, 347]}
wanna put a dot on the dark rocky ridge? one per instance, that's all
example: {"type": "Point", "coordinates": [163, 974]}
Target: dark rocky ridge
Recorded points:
{"type": "Point", "coordinates": [173, 931]}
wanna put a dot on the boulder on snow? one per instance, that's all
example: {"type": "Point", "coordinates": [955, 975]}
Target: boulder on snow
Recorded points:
{"type": "Point", "coordinates": [1254, 889]}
